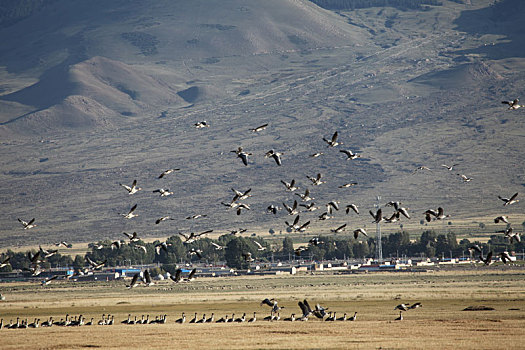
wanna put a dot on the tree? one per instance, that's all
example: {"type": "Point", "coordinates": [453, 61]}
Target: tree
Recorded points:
{"type": "Point", "coordinates": [234, 253]}
{"type": "Point", "coordinates": [288, 246]}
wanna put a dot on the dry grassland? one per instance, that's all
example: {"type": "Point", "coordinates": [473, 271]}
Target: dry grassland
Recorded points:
{"type": "Point", "coordinates": [440, 323]}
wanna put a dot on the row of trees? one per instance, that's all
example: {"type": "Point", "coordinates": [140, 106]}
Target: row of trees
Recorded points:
{"type": "Point", "coordinates": [234, 250]}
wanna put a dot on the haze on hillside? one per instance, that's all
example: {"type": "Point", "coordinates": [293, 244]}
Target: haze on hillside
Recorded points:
{"type": "Point", "coordinates": [97, 93]}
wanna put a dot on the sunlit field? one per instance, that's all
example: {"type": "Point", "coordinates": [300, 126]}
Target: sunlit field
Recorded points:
{"type": "Point", "coordinates": [440, 323]}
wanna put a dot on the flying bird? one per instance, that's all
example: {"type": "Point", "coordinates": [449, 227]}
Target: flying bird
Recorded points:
{"type": "Point", "coordinates": [164, 218]}
{"type": "Point", "coordinates": [202, 124]}
{"type": "Point", "coordinates": [316, 180]}
{"type": "Point", "coordinates": [353, 207]}
{"type": "Point", "coordinates": [272, 209]}
{"type": "Point", "coordinates": [465, 177]}
{"type": "Point", "coordinates": [259, 128]}
{"type": "Point", "coordinates": [275, 155]}
{"type": "Point", "coordinates": [513, 104]}
{"type": "Point", "coordinates": [339, 229]}
{"type": "Point", "coordinates": [420, 168]}
{"type": "Point", "coordinates": [502, 218]}
{"type": "Point", "coordinates": [192, 237]}
{"type": "Point", "coordinates": [27, 225]}
{"type": "Point", "coordinates": [163, 192]}
{"type": "Point", "coordinates": [130, 214]}
{"type": "Point", "coordinates": [291, 210]}
{"type": "Point", "coordinates": [290, 186]}
{"type": "Point", "coordinates": [132, 237]}
{"type": "Point", "coordinates": [133, 188]}
{"type": "Point", "coordinates": [360, 231]}
{"type": "Point", "coordinates": [243, 155]}
{"type": "Point", "coordinates": [306, 196]}
{"type": "Point", "coordinates": [349, 154]}
{"type": "Point", "coordinates": [333, 141]}
{"type": "Point", "coordinates": [95, 265]}
{"type": "Point", "coordinates": [350, 184]}
{"type": "Point", "coordinates": [505, 257]}
{"type": "Point", "coordinates": [449, 167]}
{"type": "Point", "coordinates": [509, 201]}
{"type": "Point", "coordinates": [167, 172]}
{"type": "Point", "coordinates": [241, 195]}
{"type": "Point", "coordinates": [378, 216]}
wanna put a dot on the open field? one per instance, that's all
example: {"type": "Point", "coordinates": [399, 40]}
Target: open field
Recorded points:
{"type": "Point", "coordinates": [440, 323]}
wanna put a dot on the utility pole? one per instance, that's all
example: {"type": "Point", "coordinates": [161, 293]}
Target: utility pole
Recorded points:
{"type": "Point", "coordinates": [379, 248]}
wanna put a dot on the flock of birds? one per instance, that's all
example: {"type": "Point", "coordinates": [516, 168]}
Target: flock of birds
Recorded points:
{"type": "Point", "coordinates": [305, 312]}
{"type": "Point", "coordinates": [294, 209]}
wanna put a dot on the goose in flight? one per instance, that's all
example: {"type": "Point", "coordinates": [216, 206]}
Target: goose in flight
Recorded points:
{"type": "Point", "coordinates": [134, 281]}
{"type": "Point", "coordinates": [510, 234]}
{"type": "Point", "coordinates": [299, 250]}
{"type": "Point", "coordinates": [273, 304]}
{"type": "Point", "coordinates": [402, 307]}
{"type": "Point", "coordinates": [350, 184]}
{"type": "Point", "coordinates": [475, 248]}
{"type": "Point", "coordinates": [309, 207]}
{"type": "Point", "coordinates": [294, 225]}
{"type": "Point", "coordinates": [65, 244]}
{"type": "Point", "coordinates": [216, 246]}
{"type": "Point", "coordinates": [316, 180]}
{"type": "Point", "coordinates": [243, 155]}
{"type": "Point", "coordinates": [393, 218]}
{"type": "Point", "coordinates": [378, 216]}
{"type": "Point", "coordinates": [505, 257]}
{"type": "Point", "coordinates": [116, 245]}
{"type": "Point", "coordinates": [242, 206]}
{"type": "Point", "coordinates": [194, 251]}
{"type": "Point", "coordinates": [133, 188]}
{"type": "Point", "coordinates": [95, 265]}
{"type": "Point", "coordinates": [513, 104]}
{"type": "Point", "coordinates": [315, 155]}
{"type": "Point", "coordinates": [164, 218]}
{"type": "Point", "coordinates": [502, 218]}
{"type": "Point", "coordinates": [192, 237]}
{"type": "Point", "coordinates": [303, 227]}
{"type": "Point", "coordinates": [360, 231]}
{"type": "Point", "coordinates": [259, 128]}
{"type": "Point", "coordinates": [291, 210]}
{"type": "Point", "coordinates": [420, 168]}
{"type": "Point", "coordinates": [415, 306]}
{"type": "Point", "coordinates": [315, 241]}
{"type": "Point", "coordinates": [449, 167]}
{"type": "Point", "coordinates": [353, 207]}
{"type": "Point", "coordinates": [306, 196]}
{"type": "Point", "coordinates": [488, 260]}
{"type": "Point", "coordinates": [349, 154]}
{"type": "Point", "coordinates": [202, 124]}
{"type": "Point", "coordinates": [259, 246]}
{"type": "Point", "coordinates": [27, 225]}
{"type": "Point", "coordinates": [333, 141]}
{"type": "Point", "coordinates": [325, 216]}
{"type": "Point", "coordinates": [464, 177]}
{"type": "Point", "coordinates": [5, 262]}
{"type": "Point", "coordinates": [241, 230]}
{"type": "Point", "coordinates": [305, 309]}
{"type": "Point", "coordinates": [162, 246]}
{"type": "Point", "coordinates": [132, 237]}
{"type": "Point", "coordinates": [241, 195]}
{"type": "Point", "coordinates": [48, 280]}
{"type": "Point", "coordinates": [163, 192]}
{"type": "Point", "coordinates": [248, 257]}
{"type": "Point", "coordinates": [142, 247]}
{"type": "Point", "coordinates": [47, 253]}
{"type": "Point", "coordinates": [167, 172]}
{"type": "Point", "coordinates": [272, 209]}
{"type": "Point", "coordinates": [196, 216]}
{"type": "Point", "coordinates": [275, 155]}
{"type": "Point", "coordinates": [439, 215]}
{"type": "Point", "coordinates": [339, 229]}
{"type": "Point", "coordinates": [332, 205]}
{"type": "Point", "coordinates": [290, 186]}
{"type": "Point", "coordinates": [131, 213]}
{"type": "Point", "coordinates": [146, 278]}
{"type": "Point", "coordinates": [511, 200]}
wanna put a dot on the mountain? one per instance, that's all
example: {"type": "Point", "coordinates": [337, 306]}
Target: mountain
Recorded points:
{"type": "Point", "coordinates": [97, 93]}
